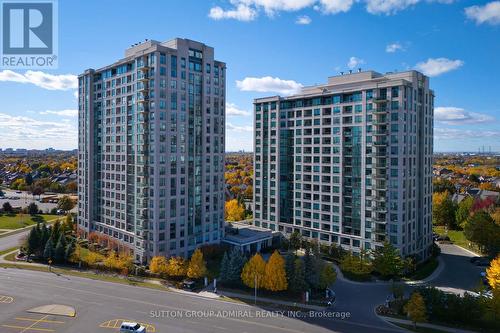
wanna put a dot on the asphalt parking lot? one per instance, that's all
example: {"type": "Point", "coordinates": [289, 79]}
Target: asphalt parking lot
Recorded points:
{"type": "Point", "coordinates": [21, 320]}
{"type": "Point", "coordinates": [102, 306]}
{"type": "Point", "coordinates": [24, 198]}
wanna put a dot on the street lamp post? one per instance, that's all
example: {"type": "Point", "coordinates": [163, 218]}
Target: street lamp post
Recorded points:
{"type": "Point", "coordinates": [255, 285]}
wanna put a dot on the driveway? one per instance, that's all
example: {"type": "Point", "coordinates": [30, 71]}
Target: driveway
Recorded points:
{"type": "Point", "coordinates": [458, 272]}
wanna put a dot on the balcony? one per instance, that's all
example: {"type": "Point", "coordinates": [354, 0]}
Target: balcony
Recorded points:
{"type": "Point", "coordinates": [380, 99]}
{"type": "Point", "coordinates": [143, 76]}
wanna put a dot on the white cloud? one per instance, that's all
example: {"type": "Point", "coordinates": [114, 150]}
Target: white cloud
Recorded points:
{"type": "Point", "coordinates": [434, 67]}
{"type": "Point", "coordinates": [41, 79]}
{"type": "Point", "coordinates": [354, 62]}
{"type": "Point", "coordinates": [62, 113]}
{"type": "Point", "coordinates": [233, 110]}
{"type": "Point", "coordinates": [239, 129]}
{"type": "Point", "coordinates": [241, 13]}
{"type": "Point", "coordinates": [269, 84]}
{"type": "Point", "coordinates": [489, 13]}
{"type": "Point", "coordinates": [273, 6]}
{"type": "Point", "coordinates": [394, 47]}
{"type": "Point", "coordinates": [303, 20]}
{"type": "Point", "coordinates": [335, 6]}
{"type": "Point", "coordinates": [248, 10]}
{"type": "Point", "coordinates": [388, 7]}
{"type": "Point", "coordinates": [26, 132]}
{"type": "Point", "coordinates": [455, 133]}
{"type": "Point", "coordinates": [457, 116]}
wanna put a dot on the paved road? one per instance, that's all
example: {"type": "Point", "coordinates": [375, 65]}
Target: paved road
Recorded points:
{"type": "Point", "coordinates": [8, 242]}
{"type": "Point", "coordinates": [97, 302]}
{"type": "Point", "coordinates": [458, 272]}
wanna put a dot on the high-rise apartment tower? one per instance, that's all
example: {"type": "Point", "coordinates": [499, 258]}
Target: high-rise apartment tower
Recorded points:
{"type": "Point", "coordinates": [151, 149]}
{"type": "Point", "coordinates": [349, 162]}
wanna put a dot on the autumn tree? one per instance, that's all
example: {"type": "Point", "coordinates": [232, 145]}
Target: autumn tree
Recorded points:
{"type": "Point", "coordinates": [158, 265]}
{"type": "Point", "coordinates": [234, 211]}
{"type": "Point", "coordinates": [274, 275]}
{"type": "Point", "coordinates": [177, 267]}
{"type": "Point", "coordinates": [443, 185]}
{"type": "Point", "coordinates": [197, 267]}
{"type": "Point", "coordinates": [443, 210]}
{"type": "Point", "coordinates": [415, 309]}
{"type": "Point", "coordinates": [253, 271]}
{"type": "Point", "coordinates": [493, 273]}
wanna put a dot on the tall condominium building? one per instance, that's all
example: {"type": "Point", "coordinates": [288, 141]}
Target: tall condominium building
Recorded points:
{"type": "Point", "coordinates": [151, 148]}
{"type": "Point", "coordinates": [348, 162]}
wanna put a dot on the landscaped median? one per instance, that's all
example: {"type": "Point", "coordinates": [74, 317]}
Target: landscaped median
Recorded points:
{"type": "Point", "coordinates": [428, 308]}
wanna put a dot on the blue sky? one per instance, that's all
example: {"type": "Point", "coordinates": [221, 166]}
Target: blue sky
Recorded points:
{"type": "Point", "coordinates": [271, 47]}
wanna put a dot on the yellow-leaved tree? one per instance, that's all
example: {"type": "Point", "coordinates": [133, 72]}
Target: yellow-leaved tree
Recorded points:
{"type": "Point", "coordinates": [197, 266]}
{"type": "Point", "coordinates": [234, 211]}
{"type": "Point", "coordinates": [158, 265]}
{"type": "Point", "coordinates": [493, 273]}
{"type": "Point", "coordinates": [254, 270]}
{"type": "Point", "coordinates": [415, 309]}
{"type": "Point", "coordinates": [275, 275]}
{"type": "Point", "coordinates": [176, 267]}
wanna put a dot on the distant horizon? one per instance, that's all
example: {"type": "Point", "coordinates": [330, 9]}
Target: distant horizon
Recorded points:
{"type": "Point", "coordinates": [249, 151]}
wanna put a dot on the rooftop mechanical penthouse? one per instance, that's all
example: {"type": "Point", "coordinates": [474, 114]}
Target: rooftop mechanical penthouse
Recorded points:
{"type": "Point", "coordinates": [349, 162]}
{"type": "Point", "coordinates": [151, 149]}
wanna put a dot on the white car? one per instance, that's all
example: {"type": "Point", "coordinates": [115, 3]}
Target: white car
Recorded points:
{"type": "Point", "coordinates": [129, 327]}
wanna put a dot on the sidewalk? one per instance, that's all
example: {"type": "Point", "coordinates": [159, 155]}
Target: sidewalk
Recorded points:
{"type": "Point", "coordinates": [437, 327]}
{"type": "Point", "coordinates": [271, 300]}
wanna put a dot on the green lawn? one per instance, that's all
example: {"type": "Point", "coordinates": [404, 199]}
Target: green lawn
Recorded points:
{"type": "Point", "coordinates": [425, 269]}
{"type": "Point", "coordinates": [457, 237]}
{"type": "Point", "coordinates": [16, 221]}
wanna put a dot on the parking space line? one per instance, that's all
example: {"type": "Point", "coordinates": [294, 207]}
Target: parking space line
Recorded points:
{"type": "Point", "coordinates": [41, 321]}
{"type": "Point", "coordinates": [6, 299]}
{"type": "Point", "coordinates": [27, 328]}
{"type": "Point", "coordinates": [34, 324]}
